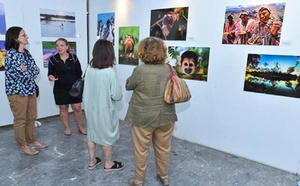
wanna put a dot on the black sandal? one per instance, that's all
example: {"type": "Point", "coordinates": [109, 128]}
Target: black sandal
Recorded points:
{"type": "Point", "coordinates": [116, 167]}
{"type": "Point", "coordinates": [98, 162]}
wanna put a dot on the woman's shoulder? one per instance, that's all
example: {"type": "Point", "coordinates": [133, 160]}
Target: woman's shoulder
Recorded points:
{"type": "Point", "coordinates": [55, 58]}
{"type": "Point", "coordinates": [26, 51]}
{"type": "Point", "coordinates": [102, 72]}
{"type": "Point", "coordinates": [108, 70]}
{"type": "Point", "coordinates": [12, 53]}
{"type": "Point", "coordinates": [148, 67]}
{"type": "Point", "coordinates": [11, 50]}
{"type": "Point", "coordinates": [73, 57]}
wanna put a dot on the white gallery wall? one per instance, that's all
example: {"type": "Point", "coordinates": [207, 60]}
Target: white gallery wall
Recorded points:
{"type": "Point", "coordinates": [220, 115]}
{"type": "Point", "coordinates": [26, 14]}
{"type": "Point", "coordinates": [259, 127]}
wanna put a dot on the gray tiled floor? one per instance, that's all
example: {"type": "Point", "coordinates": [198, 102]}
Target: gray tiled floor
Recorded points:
{"type": "Point", "coordinates": [65, 161]}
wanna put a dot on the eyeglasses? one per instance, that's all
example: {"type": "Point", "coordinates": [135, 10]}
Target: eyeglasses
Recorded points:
{"type": "Point", "coordinates": [23, 35]}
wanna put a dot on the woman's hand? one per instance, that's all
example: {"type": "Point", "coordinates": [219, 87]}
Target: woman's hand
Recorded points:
{"type": "Point", "coordinates": [24, 68]}
{"type": "Point", "coordinates": [52, 78]}
{"type": "Point", "coordinates": [38, 69]}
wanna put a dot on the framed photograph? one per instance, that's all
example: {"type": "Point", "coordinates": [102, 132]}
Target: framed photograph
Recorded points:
{"type": "Point", "coordinates": [170, 23]}
{"type": "Point", "coordinates": [106, 27]}
{"type": "Point", "coordinates": [253, 24]}
{"type": "Point", "coordinates": [55, 23]}
{"type": "Point", "coordinates": [128, 45]}
{"type": "Point", "coordinates": [2, 55]}
{"type": "Point", "coordinates": [49, 49]}
{"type": "Point", "coordinates": [190, 62]}
{"type": "Point", "coordinates": [273, 74]}
{"type": "Point", "coordinates": [2, 20]}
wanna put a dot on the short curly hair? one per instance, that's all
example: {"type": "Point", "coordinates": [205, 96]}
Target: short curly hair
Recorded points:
{"type": "Point", "coordinates": [152, 50]}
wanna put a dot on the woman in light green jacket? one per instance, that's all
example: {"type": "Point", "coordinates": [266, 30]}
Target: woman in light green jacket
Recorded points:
{"type": "Point", "coordinates": [101, 92]}
{"type": "Point", "coordinates": [151, 119]}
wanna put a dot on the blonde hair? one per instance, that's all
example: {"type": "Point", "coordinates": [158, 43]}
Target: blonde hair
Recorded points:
{"type": "Point", "coordinates": [152, 50]}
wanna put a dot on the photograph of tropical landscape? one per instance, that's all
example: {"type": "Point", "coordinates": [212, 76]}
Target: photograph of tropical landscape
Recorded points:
{"type": "Point", "coordinates": [273, 74]}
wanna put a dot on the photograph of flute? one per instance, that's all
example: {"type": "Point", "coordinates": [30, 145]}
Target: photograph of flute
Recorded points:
{"type": "Point", "coordinates": [189, 62]}
{"type": "Point", "coordinates": [169, 24]}
{"type": "Point", "coordinates": [273, 74]}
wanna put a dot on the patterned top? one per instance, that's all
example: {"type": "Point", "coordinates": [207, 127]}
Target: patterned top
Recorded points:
{"type": "Point", "coordinates": [17, 81]}
{"type": "Point", "coordinates": [261, 34]}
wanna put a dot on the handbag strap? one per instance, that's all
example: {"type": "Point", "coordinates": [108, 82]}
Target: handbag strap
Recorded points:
{"type": "Point", "coordinates": [85, 71]}
{"type": "Point", "coordinates": [85, 68]}
{"type": "Point", "coordinates": [171, 70]}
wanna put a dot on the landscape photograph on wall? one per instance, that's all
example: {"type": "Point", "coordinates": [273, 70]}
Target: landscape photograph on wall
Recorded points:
{"type": "Point", "coordinates": [128, 45]}
{"type": "Point", "coordinates": [273, 74]}
{"type": "Point", "coordinates": [49, 49]}
{"type": "Point", "coordinates": [2, 20]}
{"type": "Point", "coordinates": [170, 23]}
{"type": "Point", "coordinates": [56, 23]}
{"type": "Point", "coordinates": [189, 62]}
{"type": "Point", "coordinates": [253, 24]}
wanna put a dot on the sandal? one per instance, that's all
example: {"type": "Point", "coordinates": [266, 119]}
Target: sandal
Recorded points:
{"type": "Point", "coordinates": [132, 183]}
{"type": "Point", "coordinates": [37, 145]}
{"type": "Point", "coordinates": [98, 162]}
{"type": "Point", "coordinates": [83, 132]}
{"type": "Point", "coordinates": [116, 167]}
{"type": "Point", "coordinates": [163, 181]}
{"type": "Point", "coordinates": [68, 132]}
{"type": "Point", "coordinates": [28, 150]}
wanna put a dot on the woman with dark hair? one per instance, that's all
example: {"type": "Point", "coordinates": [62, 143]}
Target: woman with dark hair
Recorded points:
{"type": "Point", "coordinates": [101, 92]}
{"type": "Point", "coordinates": [64, 69]}
{"type": "Point", "coordinates": [151, 119]}
{"type": "Point", "coordinates": [20, 73]}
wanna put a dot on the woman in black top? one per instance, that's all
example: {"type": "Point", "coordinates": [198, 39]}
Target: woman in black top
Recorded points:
{"type": "Point", "coordinates": [64, 69]}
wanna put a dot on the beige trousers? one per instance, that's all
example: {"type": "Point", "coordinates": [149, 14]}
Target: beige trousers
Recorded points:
{"type": "Point", "coordinates": [24, 110]}
{"type": "Point", "coordinates": [161, 138]}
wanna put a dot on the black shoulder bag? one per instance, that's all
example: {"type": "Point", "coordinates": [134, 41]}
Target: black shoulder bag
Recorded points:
{"type": "Point", "coordinates": [77, 88]}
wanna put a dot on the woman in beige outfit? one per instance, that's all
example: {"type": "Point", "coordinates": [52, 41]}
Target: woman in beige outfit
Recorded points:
{"type": "Point", "coordinates": [151, 119]}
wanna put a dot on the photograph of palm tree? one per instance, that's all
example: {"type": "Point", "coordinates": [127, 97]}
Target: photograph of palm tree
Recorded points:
{"type": "Point", "coordinates": [273, 74]}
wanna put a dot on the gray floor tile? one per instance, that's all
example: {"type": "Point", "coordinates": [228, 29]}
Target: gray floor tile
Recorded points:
{"type": "Point", "coordinates": [65, 162]}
